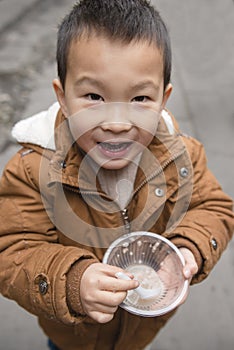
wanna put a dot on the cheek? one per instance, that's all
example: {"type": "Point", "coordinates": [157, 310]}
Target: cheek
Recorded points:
{"type": "Point", "coordinates": [146, 120]}
{"type": "Point", "coordinates": [73, 107]}
{"type": "Point", "coordinates": [82, 138]}
{"type": "Point", "coordinates": [147, 133]}
{"type": "Point", "coordinates": [145, 138]}
{"type": "Point", "coordinates": [81, 125]}
{"type": "Point", "coordinates": [73, 103]}
{"type": "Point", "coordinates": [86, 142]}
{"type": "Point", "coordinates": [82, 143]}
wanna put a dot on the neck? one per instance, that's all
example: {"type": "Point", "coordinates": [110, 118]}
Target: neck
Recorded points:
{"type": "Point", "coordinates": [119, 184]}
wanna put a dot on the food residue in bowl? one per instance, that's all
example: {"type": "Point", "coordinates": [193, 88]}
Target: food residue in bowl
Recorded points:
{"type": "Point", "coordinates": [148, 279]}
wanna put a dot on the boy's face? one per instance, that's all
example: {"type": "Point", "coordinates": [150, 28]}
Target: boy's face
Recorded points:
{"type": "Point", "coordinates": [117, 81]}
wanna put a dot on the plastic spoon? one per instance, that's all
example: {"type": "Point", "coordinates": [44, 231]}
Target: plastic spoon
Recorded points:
{"type": "Point", "coordinates": [141, 291]}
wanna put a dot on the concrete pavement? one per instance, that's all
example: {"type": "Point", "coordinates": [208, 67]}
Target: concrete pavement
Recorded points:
{"type": "Point", "coordinates": [203, 79]}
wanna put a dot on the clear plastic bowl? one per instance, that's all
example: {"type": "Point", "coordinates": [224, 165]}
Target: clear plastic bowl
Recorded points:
{"type": "Point", "coordinates": [157, 264]}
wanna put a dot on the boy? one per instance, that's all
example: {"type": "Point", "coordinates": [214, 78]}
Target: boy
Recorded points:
{"type": "Point", "coordinates": [107, 161]}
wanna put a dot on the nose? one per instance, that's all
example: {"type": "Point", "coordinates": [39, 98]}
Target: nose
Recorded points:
{"type": "Point", "coordinates": [116, 119]}
{"type": "Point", "coordinates": [116, 127]}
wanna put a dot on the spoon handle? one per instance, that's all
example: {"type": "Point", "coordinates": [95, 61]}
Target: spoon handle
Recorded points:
{"type": "Point", "coordinates": [142, 292]}
{"type": "Point", "coordinates": [122, 276]}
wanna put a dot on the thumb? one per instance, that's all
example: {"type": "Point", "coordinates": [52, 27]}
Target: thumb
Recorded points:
{"type": "Point", "coordinates": [190, 268]}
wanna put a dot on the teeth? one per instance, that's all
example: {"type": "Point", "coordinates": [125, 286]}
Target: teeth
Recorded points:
{"type": "Point", "coordinates": [114, 147]}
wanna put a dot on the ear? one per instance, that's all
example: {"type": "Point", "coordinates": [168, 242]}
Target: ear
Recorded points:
{"type": "Point", "coordinates": [166, 95]}
{"type": "Point", "coordinates": [59, 91]}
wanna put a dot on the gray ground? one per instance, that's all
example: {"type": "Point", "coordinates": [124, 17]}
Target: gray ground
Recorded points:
{"type": "Point", "coordinates": [203, 44]}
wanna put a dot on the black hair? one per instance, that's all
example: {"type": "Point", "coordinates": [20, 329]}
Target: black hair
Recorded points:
{"type": "Point", "coordinates": [124, 20]}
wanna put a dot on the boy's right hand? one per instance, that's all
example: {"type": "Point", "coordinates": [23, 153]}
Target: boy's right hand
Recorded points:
{"type": "Point", "coordinates": [101, 292]}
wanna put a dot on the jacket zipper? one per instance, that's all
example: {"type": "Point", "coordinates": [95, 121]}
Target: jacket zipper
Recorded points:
{"type": "Point", "coordinates": [126, 220]}
{"type": "Point", "coordinates": [124, 213]}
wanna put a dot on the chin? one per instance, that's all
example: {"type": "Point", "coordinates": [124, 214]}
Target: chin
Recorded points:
{"type": "Point", "coordinates": [116, 164]}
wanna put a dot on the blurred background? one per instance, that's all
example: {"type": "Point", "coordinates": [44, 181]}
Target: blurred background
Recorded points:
{"type": "Point", "coordinates": [202, 34]}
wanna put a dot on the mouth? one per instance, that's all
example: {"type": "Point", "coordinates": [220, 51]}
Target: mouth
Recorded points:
{"type": "Point", "coordinates": [114, 149]}
{"type": "Point", "coordinates": [114, 146]}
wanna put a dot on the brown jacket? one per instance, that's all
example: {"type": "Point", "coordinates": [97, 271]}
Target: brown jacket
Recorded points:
{"type": "Point", "coordinates": [55, 221]}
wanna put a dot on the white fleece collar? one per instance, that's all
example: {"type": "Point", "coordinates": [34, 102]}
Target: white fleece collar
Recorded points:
{"type": "Point", "coordinates": [39, 129]}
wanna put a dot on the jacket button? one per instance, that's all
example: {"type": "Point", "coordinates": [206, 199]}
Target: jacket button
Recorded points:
{"type": "Point", "coordinates": [63, 164]}
{"type": "Point", "coordinates": [184, 172]}
{"type": "Point", "coordinates": [43, 287]}
{"type": "Point", "coordinates": [214, 243]}
{"type": "Point", "coordinates": [159, 192]}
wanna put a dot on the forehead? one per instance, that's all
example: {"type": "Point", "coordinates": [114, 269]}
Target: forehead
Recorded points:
{"type": "Point", "coordinates": [98, 50]}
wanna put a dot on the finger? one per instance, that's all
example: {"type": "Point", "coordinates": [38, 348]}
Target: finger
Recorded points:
{"type": "Point", "coordinates": [110, 307]}
{"type": "Point", "coordinates": [106, 309]}
{"type": "Point", "coordinates": [112, 299]}
{"type": "Point", "coordinates": [107, 298]}
{"type": "Point", "coordinates": [101, 317]}
{"type": "Point", "coordinates": [112, 270]}
{"type": "Point", "coordinates": [187, 272]}
{"type": "Point", "coordinates": [118, 285]}
{"type": "Point", "coordinates": [190, 269]}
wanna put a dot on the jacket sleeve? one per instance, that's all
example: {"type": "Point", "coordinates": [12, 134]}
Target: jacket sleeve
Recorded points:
{"type": "Point", "coordinates": [208, 224]}
{"type": "Point", "coordinates": [34, 266]}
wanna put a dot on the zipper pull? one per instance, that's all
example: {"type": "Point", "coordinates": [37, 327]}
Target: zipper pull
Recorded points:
{"type": "Point", "coordinates": [126, 220]}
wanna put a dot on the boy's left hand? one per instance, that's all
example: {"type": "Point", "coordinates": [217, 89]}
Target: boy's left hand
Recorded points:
{"type": "Point", "coordinates": [190, 268]}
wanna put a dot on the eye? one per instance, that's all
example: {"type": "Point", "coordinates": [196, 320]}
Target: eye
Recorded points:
{"type": "Point", "coordinates": [94, 97]}
{"type": "Point", "coordinates": [140, 99]}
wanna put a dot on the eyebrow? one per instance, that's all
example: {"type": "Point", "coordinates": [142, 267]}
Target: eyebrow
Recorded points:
{"type": "Point", "coordinates": [145, 84]}
{"type": "Point", "coordinates": [89, 80]}
{"type": "Point", "coordinates": [99, 84]}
